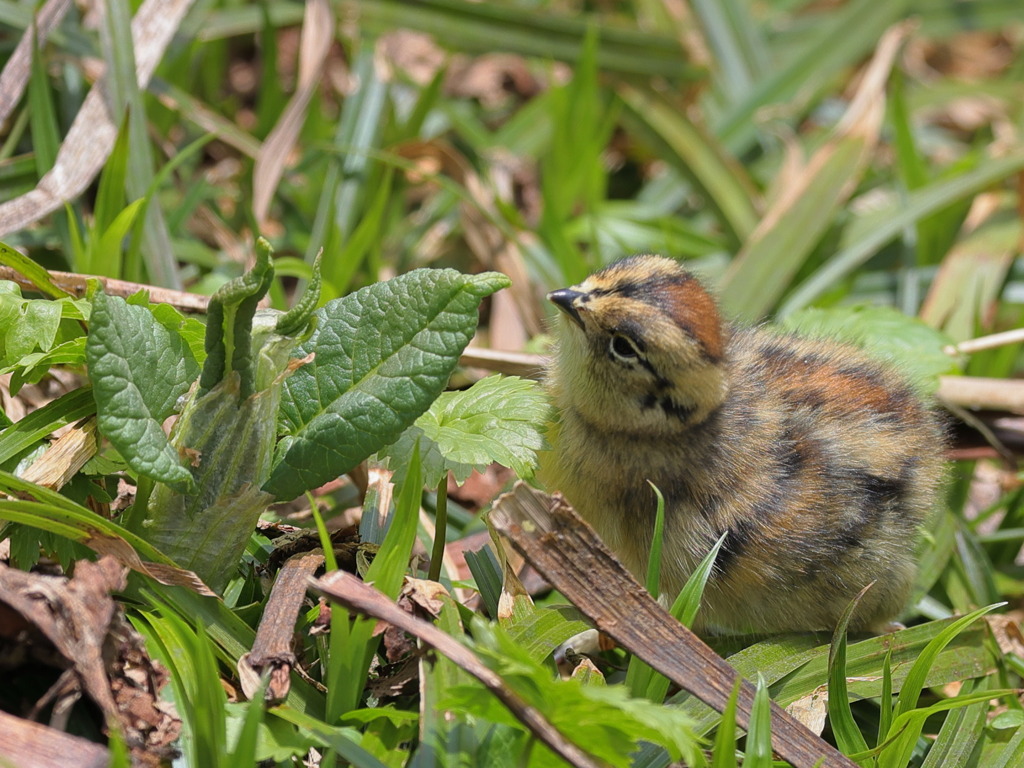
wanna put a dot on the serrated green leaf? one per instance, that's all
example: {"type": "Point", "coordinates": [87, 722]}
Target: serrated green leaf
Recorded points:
{"type": "Point", "coordinates": [31, 368]}
{"type": "Point", "coordinates": [603, 720]}
{"type": "Point", "coordinates": [914, 347]}
{"type": "Point", "coordinates": [498, 419]}
{"type": "Point", "coordinates": [191, 330]}
{"type": "Point", "coordinates": [139, 369]}
{"type": "Point", "coordinates": [33, 327]}
{"type": "Point", "coordinates": [381, 357]}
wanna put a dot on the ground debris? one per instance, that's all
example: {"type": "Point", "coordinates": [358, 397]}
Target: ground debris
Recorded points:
{"type": "Point", "coordinates": [70, 635]}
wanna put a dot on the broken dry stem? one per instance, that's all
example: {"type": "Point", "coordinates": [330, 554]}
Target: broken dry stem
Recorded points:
{"type": "Point", "coordinates": [357, 596]}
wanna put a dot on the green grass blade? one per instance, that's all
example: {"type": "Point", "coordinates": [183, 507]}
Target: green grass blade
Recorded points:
{"type": "Point", "coordinates": [736, 43]}
{"type": "Point", "coordinates": [352, 644]}
{"type": "Point", "coordinates": [961, 732]}
{"type": "Point", "coordinates": [123, 90]}
{"type": "Point", "coordinates": [685, 608]}
{"type": "Point", "coordinates": [110, 198]}
{"type": "Point", "coordinates": [638, 674]}
{"type": "Point", "coordinates": [915, 681]}
{"type": "Point", "coordinates": [66, 409]}
{"type": "Point", "coordinates": [43, 123]}
{"type": "Point", "coordinates": [695, 154]}
{"type": "Point", "coordinates": [848, 735]}
{"type": "Point", "coordinates": [487, 573]}
{"type": "Point", "coordinates": [654, 560]}
{"type": "Point", "coordinates": [1012, 754]}
{"type": "Point", "coordinates": [866, 235]}
{"type": "Point", "coordinates": [344, 741]}
{"type": "Point", "coordinates": [834, 44]}
{"type": "Point", "coordinates": [724, 753]}
{"type": "Point", "coordinates": [907, 728]}
{"type": "Point", "coordinates": [885, 703]}
{"type": "Point", "coordinates": [244, 753]}
{"type": "Point", "coordinates": [758, 753]}
{"type": "Point", "coordinates": [768, 261]}
{"type": "Point", "coordinates": [687, 602]}
{"type": "Point", "coordinates": [40, 277]}
{"type": "Point", "coordinates": [486, 27]}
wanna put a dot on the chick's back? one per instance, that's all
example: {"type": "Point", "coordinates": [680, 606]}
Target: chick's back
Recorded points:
{"type": "Point", "coordinates": [819, 462]}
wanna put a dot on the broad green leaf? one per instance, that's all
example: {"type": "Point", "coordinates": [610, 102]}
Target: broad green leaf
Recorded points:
{"type": "Point", "coordinates": [381, 357]}
{"type": "Point", "coordinates": [205, 527]}
{"type": "Point", "coordinates": [139, 370]}
{"type": "Point", "coordinates": [915, 348]}
{"type": "Point", "coordinates": [498, 419]}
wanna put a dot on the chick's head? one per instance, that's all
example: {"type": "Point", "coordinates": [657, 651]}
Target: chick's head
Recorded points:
{"type": "Point", "coordinates": [641, 348]}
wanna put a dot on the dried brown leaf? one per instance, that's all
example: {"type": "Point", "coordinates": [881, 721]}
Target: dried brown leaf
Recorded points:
{"type": "Point", "coordinates": [317, 35]}
{"type": "Point", "coordinates": [94, 130]}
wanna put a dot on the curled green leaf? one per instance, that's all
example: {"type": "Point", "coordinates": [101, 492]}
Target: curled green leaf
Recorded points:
{"type": "Point", "coordinates": [296, 319]}
{"type": "Point", "coordinates": [229, 324]}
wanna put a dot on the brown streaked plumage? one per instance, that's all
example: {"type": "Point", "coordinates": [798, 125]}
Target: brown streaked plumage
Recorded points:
{"type": "Point", "coordinates": [819, 461]}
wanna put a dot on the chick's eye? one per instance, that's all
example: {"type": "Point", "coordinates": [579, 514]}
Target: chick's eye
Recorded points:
{"type": "Point", "coordinates": [623, 348]}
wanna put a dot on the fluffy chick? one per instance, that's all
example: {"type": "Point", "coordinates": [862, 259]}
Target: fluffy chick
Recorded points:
{"type": "Point", "coordinates": [820, 462]}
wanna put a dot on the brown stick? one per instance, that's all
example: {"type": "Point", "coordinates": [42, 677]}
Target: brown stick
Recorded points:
{"type": "Point", "coordinates": [26, 743]}
{"type": "Point", "coordinates": [272, 648]}
{"type": "Point", "coordinates": [351, 592]}
{"type": "Point", "coordinates": [75, 284]}
{"type": "Point", "coordinates": [566, 551]}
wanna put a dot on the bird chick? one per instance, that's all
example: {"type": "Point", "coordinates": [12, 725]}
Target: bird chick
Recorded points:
{"type": "Point", "coordinates": [820, 462]}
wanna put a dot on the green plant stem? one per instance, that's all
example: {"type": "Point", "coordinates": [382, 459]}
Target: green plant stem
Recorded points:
{"type": "Point", "coordinates": [440, 529]}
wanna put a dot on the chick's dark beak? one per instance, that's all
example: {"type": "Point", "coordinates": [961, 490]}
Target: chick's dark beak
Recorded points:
{"type": "Point", "coordinates": [565, 300]}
